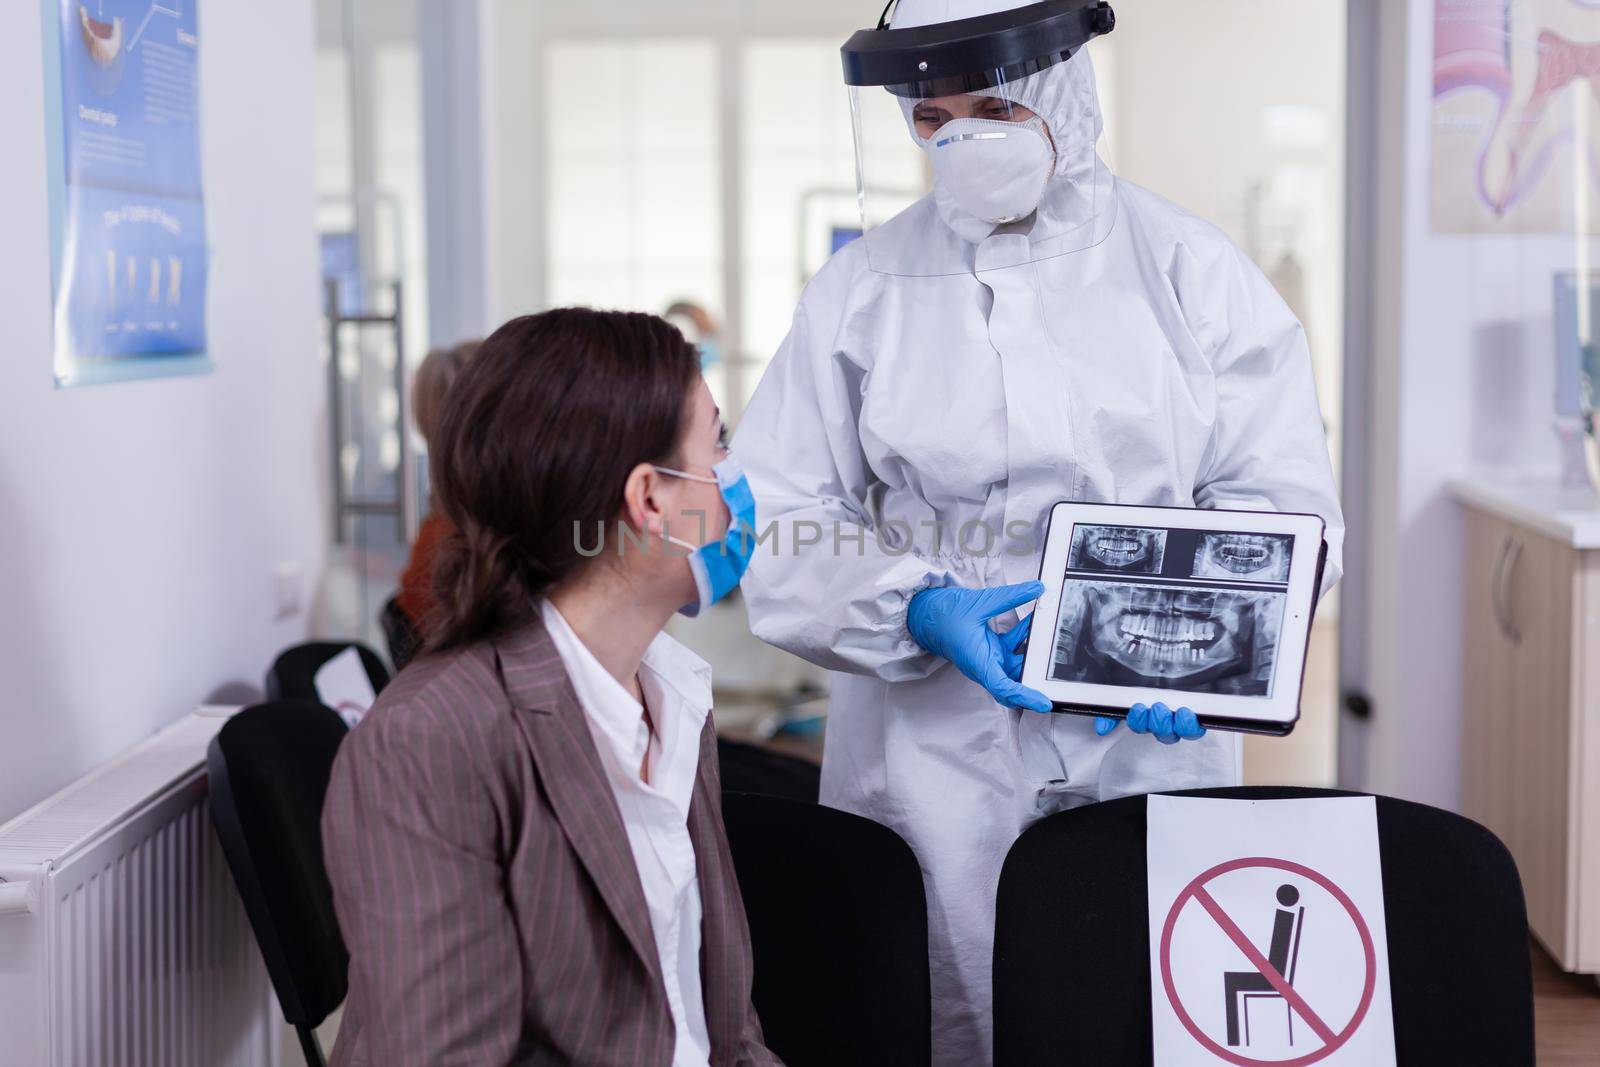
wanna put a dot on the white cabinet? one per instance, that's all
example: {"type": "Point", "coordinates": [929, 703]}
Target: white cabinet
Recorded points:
{"type": "Point", "coordinates": [1531, 714]}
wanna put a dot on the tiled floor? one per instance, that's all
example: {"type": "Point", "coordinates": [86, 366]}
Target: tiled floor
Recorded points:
{"type": "Point", "coordinates": [1566, 1011]}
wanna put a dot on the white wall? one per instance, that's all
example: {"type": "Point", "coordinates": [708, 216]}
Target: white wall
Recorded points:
{"type": "Point", "coordinates": [1204, 136]}
{"type": "Point", "coordinates": [140, 524]}
{"type": "Point", "coordinates": [1462, 385]}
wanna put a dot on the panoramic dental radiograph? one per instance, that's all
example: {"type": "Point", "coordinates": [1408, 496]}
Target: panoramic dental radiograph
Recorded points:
{"type": "Point", "coordinates": [1261, 557]}
{"type": "Point", "coordinates": [1198, 640]}
{"type": "Point", "coordinates": [1122, 549]}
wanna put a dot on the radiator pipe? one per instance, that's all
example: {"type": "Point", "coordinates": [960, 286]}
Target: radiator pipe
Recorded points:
{"type": "Point", "coordinates": [16, 898]}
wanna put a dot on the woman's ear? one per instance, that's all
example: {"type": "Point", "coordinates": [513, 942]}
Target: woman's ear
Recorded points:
{"type": "Point", "coordinates": [640, 503]}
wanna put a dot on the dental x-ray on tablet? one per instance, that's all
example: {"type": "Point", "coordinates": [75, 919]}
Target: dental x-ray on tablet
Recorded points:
{"type": "Point", "coordinates": [1194, 607]}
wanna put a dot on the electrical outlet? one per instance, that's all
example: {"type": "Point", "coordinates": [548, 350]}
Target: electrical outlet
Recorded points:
{"type": "Point", "coordinates": [286, 595]}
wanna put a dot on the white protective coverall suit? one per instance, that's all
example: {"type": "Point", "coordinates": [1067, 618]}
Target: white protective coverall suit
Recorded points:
{"type": "Point", "coordinates": [1155, 366]}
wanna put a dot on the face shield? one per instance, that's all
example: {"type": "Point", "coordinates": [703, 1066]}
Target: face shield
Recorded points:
{"type": "Point", "coordinates": [995, 116]}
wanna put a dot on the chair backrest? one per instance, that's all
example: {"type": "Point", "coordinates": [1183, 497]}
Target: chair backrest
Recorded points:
{"type": "Point", "coordinates": [1072, 956]}
{"type": "Point", "coordinates": [292, 675]}
{"type": "Point", "coordinates": [748, 768]}
{"type": "Point", "coordinates": [269, 767]}
{"type": "Point", "coordinates": [839, 927]}
{"type": "Point", "coordinates": [400, 633]}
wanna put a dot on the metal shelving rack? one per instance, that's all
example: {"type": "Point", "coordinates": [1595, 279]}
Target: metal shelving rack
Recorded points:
{"type": "Point", "coordinates": [401, 504]}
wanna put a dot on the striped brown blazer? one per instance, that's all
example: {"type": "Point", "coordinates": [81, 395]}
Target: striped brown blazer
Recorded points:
{"type": "Point", "coordinates": [486, 889]}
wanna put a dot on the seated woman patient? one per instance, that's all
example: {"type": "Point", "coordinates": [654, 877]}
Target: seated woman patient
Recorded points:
{"type": "Point", "coordinates": [525, 835]}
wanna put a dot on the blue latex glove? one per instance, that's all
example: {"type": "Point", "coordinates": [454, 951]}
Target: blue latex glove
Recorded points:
{"type": "Point", "coordinates": [1167, 726]}
{"type": "Point", "coordinates": [954, 623]}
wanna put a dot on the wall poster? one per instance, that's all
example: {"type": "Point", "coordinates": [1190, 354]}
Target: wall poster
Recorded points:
{"type": "Point", "coordinates": [127, 214]}
{"type": "Point", "coordinates": [1516, 116]}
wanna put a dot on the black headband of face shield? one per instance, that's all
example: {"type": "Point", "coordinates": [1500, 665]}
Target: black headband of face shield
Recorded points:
{"type": "Point", "coordinates": [970, 55]}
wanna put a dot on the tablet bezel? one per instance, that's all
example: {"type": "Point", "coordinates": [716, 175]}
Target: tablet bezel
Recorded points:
{"type": "Point", "coordinates": [1271, 715]}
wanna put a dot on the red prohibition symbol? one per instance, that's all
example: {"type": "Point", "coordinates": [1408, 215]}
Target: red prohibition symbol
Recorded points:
{"type": "Point", "coordinates": [1332, 1040]}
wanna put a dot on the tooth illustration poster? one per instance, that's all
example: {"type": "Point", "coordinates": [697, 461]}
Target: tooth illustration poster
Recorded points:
{"type": "Point", "coordinates": [1516, 116]}
{"type": "Point", "coordinates": [127, 211]}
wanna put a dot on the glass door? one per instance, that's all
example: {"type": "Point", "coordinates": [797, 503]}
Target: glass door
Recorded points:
{"type": "Point", "coordinates": [371, 226]}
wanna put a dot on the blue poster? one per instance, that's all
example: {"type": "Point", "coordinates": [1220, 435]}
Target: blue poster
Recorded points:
{"type": "Point", "coordinates": [126, 208]}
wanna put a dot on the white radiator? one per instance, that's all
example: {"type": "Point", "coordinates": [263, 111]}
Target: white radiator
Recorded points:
{"type": "Point", "coordinates": [122, 939]}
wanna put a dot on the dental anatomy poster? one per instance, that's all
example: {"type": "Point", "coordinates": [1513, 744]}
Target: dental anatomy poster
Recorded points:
{"type": "Point", "coordinates": [127, 212]}
{"type": "Point", "coordinates": [1516, 116]}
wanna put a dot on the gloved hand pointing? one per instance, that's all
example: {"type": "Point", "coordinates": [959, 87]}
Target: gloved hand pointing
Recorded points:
{"type": "Point", "coordinates": [954, 623]}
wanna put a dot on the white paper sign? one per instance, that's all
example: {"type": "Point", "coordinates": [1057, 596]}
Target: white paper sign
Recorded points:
{"type": "Point", "coordinates": [1267, 936]}
{"type": "Point", "coordinates": [342, 684]}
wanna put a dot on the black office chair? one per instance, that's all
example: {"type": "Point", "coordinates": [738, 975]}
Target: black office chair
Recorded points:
{"type": "Point", "coordinates": [839, 927]}
{"type": "Point", "coordinates": [748, 768]}
{"type": "Point", "coordinates": [269, 768]}
{"type": "Point", "coordinates": [400, 633]}
{"type": "Point", "coordinates": [1072, 947]}
{"type": "Point", "coordinates": [293, 674]}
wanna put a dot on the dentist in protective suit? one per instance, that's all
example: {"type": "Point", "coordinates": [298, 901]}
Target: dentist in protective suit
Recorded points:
{"type": "Point", "coordinates": [1033, 330]}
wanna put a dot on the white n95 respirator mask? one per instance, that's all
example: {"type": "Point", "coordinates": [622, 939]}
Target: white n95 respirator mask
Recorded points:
{"type": "Point", "coordinates": [994, 170]}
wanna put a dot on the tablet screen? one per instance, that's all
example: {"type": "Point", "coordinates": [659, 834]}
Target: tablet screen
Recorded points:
{"type": "Point", "coordinates": [1198, 611]}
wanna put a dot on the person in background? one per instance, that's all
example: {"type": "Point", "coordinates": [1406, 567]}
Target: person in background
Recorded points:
{"type": "Point", "coordinates": [698, 326]}
{"type": "Point", "coordinates": [524, 836]}
{"type": "Point", "coordinates": [428, 389]}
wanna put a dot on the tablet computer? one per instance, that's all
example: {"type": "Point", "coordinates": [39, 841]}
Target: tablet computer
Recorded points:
{"type": "Point", "coordinates": [1198, 608]}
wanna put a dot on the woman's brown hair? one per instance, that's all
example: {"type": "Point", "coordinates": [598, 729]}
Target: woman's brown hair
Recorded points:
{"type": "Point", "coordinates": [535, 442]}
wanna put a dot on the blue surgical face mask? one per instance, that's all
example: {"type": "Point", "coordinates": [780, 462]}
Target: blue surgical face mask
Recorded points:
{"type": "Point", "coordinates": [718, 565]}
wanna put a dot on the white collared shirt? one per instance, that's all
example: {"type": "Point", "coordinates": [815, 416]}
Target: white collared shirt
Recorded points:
{"type": "Point", "coordinates": [677, 689]}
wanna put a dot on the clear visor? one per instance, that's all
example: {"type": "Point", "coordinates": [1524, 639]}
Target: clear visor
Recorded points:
{"type": "Point", "coordinates": [938, 175]}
